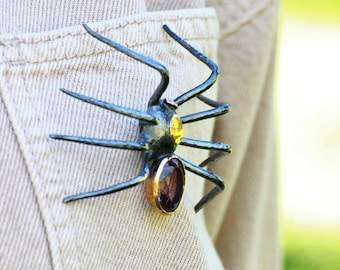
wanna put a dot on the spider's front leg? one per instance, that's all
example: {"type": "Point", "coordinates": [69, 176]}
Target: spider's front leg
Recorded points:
{"type": "Point", "coordinates": [112, 107]}
{"type": "Point", "coordinates": [101, 142]}
{"type": "Point", "coordinates": [139, 57]}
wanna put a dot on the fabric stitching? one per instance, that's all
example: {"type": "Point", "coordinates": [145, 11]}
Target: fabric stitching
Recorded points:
{"type": "Point", "coordinates": [23, 157]}
{"type": "Point", "coordinates": [119, 26]}
{"type": "Point", "coordinates": [18, 63]}
{"type": "Point", "coordinates": [38, 172]}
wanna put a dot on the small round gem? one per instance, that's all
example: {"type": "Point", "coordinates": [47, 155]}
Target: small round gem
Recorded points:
{"type": "Point", "coordinates": [171, 185]}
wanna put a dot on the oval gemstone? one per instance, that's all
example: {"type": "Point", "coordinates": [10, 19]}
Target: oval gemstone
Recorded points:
{"type": "Point", "coordinates": [176, 129]}
{"type": "Point", "coordinates": [171, 185]}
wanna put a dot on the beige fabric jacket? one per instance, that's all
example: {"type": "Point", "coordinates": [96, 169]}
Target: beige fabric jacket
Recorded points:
{"type": "Point", "coordinates": [43, 47]}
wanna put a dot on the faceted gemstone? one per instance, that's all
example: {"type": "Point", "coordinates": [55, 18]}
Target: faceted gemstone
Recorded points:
{"type": "Point", "coordinates": [176, 129]}
{"type": "Point", "coordinates": [171, 185]}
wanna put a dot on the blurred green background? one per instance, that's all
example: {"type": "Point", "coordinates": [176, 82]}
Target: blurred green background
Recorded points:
{"type": "Point", "coordinates": [308, 101]}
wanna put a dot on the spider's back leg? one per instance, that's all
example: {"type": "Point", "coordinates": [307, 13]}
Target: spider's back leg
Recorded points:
{"type": "Point", "coordinates": [143, 175]}
{"type": "Point", "coordinates": [208, 176]}
{"type": "Point", "coordinates": [222, 150]}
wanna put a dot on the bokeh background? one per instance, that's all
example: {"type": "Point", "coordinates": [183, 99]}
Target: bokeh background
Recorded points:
{"type": "Point", "coordinates": [308, 112]}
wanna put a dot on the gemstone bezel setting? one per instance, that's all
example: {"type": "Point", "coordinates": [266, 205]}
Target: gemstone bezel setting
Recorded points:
{"type": "Point", "coordinates": [154, 182]}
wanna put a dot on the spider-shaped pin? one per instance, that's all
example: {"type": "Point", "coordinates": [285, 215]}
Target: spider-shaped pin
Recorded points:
{"type": "Point", "coordinates": [160, 133]}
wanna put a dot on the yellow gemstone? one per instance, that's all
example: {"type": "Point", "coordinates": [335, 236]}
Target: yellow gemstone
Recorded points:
{"type": "Point", "coordinates": [176, 129]}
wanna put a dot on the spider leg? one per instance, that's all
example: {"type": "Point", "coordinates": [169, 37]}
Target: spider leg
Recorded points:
{"type": "Point", "coordinates": [214, 157]}
{"type": "Point", "coordinates": [139, 57]}
{"type": "Point", "coordinates": [101, 142]}
{"type": "Point", "coordinates": [112, 107]}
{"type": "Point", "coordinates": [206, 145]}
{"type": "Point", "coordinates": [210, 102]}
{"type": "Point", "coordinates": [205, 114]}
{"type": "Point", "coordinates": [200, 56]}
{"type": "Point", "coordinates": [221, 148]}
{"type": "Point", "coordinates": [115, 188]}
{"type": "Point", "coordinates": [208, 176]}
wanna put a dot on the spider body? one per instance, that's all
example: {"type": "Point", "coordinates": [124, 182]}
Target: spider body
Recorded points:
{"type": "Point", "coordinates": [166, 181]}
{"type": "Point", "coordinates": [164, 136]}
{"type": "Point", "coordinates": [161, 130]}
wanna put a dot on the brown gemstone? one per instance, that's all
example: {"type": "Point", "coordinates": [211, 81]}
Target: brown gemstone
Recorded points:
{"type": "Point", "coordinates": [171, 185]}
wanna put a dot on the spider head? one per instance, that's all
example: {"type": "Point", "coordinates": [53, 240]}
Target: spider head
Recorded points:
{"type": "Point", "coordinates": [170, 103]}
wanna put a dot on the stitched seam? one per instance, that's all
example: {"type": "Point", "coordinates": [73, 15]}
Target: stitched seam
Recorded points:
{"type": "Point", "coordinates": [38, 171]}
{"type": "Point", "coordinates": [25, 165]}
{"type": "Point", "coordinates": [53, 220]}
{"type": "Point", "coordinates": [16, 63]}
{"type": "Point", "coordinates": [119, 26]}
{"type": "Point", "coordinates": [19, 42]}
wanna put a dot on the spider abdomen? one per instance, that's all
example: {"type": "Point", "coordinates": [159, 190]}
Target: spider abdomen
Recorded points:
{"type": "Point", "coordinates": [165, 184]}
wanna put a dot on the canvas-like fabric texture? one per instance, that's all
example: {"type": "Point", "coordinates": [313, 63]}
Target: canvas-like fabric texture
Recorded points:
{"type": "Point", "coordinates": [44, 47]}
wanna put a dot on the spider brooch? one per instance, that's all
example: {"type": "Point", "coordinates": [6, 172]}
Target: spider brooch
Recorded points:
{"type": "Point", "coordinates": [160, 133]}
